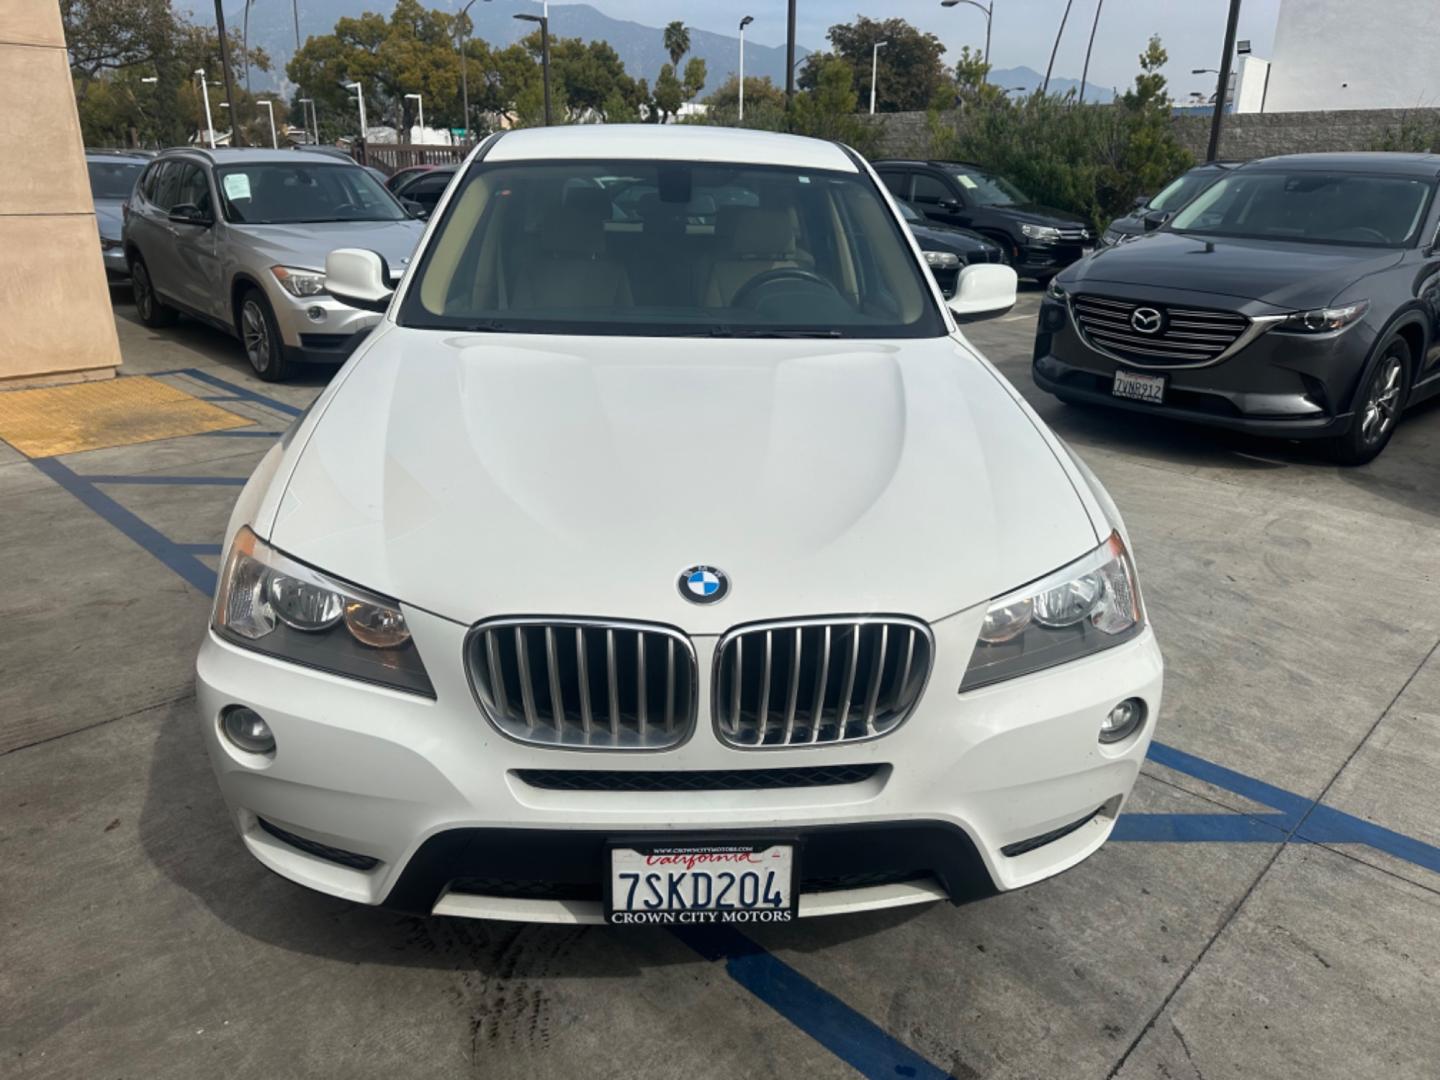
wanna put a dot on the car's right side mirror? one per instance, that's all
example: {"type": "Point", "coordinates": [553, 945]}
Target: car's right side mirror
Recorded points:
{"type": "Point", "coordinates": [983, 291]}
{"type": "Point", "coordinates": [1155, 219]}
{"type": "Point", "coordinates": [359, 278]}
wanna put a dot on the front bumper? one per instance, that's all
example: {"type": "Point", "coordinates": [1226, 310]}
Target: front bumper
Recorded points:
{"type": "Point", "coordinates": [1046, 260]}
{"type": "Point", "coordinates": [428, 789]}
{"type": "Point", "coordinates": [1280, 385]}
{"type": "Point", "coordinates": [116, 266]}
{"type": "Point", "coordinates": [319, 329]}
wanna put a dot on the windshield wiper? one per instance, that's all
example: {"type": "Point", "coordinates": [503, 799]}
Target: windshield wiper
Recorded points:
{"type": "Point", "coordinates": [731, 332]}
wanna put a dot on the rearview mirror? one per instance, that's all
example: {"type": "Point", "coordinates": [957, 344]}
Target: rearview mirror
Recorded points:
{"type": "Point", "coordinates": [983, 291]}
{"type": "Point", "coordinates": [359, 278]}
{"type": "Point", "coordinates": [189, 214]}
{"type": "Point", "coordinates": [1155, 219]}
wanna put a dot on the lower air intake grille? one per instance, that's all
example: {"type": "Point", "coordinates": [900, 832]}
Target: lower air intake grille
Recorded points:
{"type": "Point", "coordinates": [695, 780]}
{"type": "Point", "coordinates": [818, 682]}
{"type": "Point", "coordinates": [598, 685]}
{"type": "Point", "coordinates": [319, 850]}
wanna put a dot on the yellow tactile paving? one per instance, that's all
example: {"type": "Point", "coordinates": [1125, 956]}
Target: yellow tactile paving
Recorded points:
{"type": "Point", "coordinates": [118, 412]}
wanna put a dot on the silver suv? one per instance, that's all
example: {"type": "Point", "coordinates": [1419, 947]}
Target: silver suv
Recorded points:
{"type": "Point", "coordinates": [238, 238]}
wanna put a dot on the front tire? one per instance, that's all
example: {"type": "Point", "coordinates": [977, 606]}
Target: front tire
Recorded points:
{"type": "Point", "coordinates": [260, 335]}
{"type": "Point", "coordinates": [1378, 403]}
{"type": "Point", "coordinates": [152, 311]}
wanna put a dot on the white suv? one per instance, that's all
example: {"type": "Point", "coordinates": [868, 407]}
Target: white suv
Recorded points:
{"type": "Point", "coordinates": [666, 555]}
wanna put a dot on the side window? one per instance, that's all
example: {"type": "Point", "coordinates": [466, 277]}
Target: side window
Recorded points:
{"type": "Point", "coordinates": [166, 185]}
{"type": "Point", "coordinates": [191, 187]}
{"type": "Point", "coordinates": [898, 183]}
{"type": "Point", "coordinates": [146, 187]}
{"type": "Point", "coordinates": [427, 190]}
{"type": "Point", "coordinates": [931, 190]}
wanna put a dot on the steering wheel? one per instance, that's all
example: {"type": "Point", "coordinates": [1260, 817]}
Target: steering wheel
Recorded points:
{"type": "Point", "coordinates": [745, 293]}
{"type": "Point", "coordinates": [1365, 233]}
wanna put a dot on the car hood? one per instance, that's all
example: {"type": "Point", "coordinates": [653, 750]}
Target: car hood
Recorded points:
{"type": "Point", "coordinates": [950, 238]}
{"type": "Point", "coordinates": [109, 217]}
{"type": "Point", "coordinates": [479, 475]}
{"type": "Point", "coordinates": [305, 245]}
{"type": "Point", "coordinates": [1038, 214]}
{"type": "Point", "coordinates": [1286, 276]}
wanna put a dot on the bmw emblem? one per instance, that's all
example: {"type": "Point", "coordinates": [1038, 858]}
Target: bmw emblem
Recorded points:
{"type": "Point", "coordinates": [704, 584]}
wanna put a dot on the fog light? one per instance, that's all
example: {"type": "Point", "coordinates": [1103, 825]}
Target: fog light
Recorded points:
{"type": "Point", "coordinates": [245, 728]}
{"type": "Point", "coordinates": [1124, 720]}
{"type": "Point", "coordinates": [316, 313]}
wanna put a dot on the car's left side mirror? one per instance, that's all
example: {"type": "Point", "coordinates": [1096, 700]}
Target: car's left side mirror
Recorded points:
{"type": "Point", "coordinates": [359, 278]}
{"type": "Point", "coordinates": [983, 291]}
{"type": "Point", "coordinates": [418, 211]}
{"type": "Point", "coordinates": [1155, 219]}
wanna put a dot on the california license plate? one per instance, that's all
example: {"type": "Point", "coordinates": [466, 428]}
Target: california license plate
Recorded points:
{"type": "Point", "coordinates": [1138, 387]}
{"type": "Point", "coordinates": [698, 884]}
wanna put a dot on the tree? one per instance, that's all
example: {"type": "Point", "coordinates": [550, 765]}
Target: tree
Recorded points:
{"type": "Point", "coordinates": [677, 42]}
{"type": "Point", "coordinates": [828, 110]}
{"type": "Point", "coordinates": [972, 80]}
{"type": "Point", "coordinates": [910, 70]}
{"type": "Point", "coordinates": [764, 103]}
{"type": "Point", "coordinates": [1150, 85]}
{"type": "Point", "coordinates": [591, 80]}
{"type": "Point", "coordinates": [671, 91]}
{"type": "Point", "coordinates": [105, 35]}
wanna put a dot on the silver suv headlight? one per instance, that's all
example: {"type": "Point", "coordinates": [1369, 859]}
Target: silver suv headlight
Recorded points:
{"type": "Point", "coordinates": [1090, 605]}
{"type": "Point", "coordinates": [302, 283]}
{"type": "Point", "coordinates": [272, 604]}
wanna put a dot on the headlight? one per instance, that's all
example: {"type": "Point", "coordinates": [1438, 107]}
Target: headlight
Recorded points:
{"type": "Point", "coordinates": [277, 606]}
{"type": "Point", "coordinates": [1112, 237]}
{"type": "Point", "coordinates": [1043, 233]}
{"type": "Point", "coordinates": [1055, 291]}
{"type": "Point", "coordinates": [942, 260]}
{"type": "Point", "coordinates": [1087, 606]}
{"type": "Point", "coordinates": [1324, 320]}
{"type": "Point", "coordinates": [299, 282]}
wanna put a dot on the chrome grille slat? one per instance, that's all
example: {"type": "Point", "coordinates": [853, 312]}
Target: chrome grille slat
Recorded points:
{"type": "Point", "coordinates": [1187, 336]}
{"type": "Point", "coordinates": [842, 680]}
{"type": "Point", "coordinates": [585, 684]}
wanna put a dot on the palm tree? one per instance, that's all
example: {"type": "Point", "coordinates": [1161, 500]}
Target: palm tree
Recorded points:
{"type": "Point", "coordinates": [677, 41]}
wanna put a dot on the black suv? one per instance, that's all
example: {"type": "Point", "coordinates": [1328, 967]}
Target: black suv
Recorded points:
{"type": "Point", "coordinates": [1295, 296]}
{"type": "Point", "coordinates": [1039, 241]}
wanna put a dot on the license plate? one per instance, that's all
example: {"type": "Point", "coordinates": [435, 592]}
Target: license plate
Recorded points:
{"type": "Point", "coordinates": [1137, 387]}
{"type": "Point", "coordinates": [699, 884]}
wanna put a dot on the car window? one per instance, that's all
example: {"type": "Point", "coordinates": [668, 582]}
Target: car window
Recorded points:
{"type": "Point", "coordinates": [1182, 189]}
{"type": "Point", "coordinates": [982, 188]}
{"type": "Point", "coordinates": [898, 183]}
{"type": "Point", "coordinates": [669, 249]}
{"type": "Point", "coordinates": [1310, 206]}
{"type": "Point", "coordinates": [191, 187]}
{"type": "Point", "coordinates": [427, 188]}
{"type": "Point", "coordinates": [113, 179]}
{"type": "Point", "coordinates": [167, 183]}
{"type": "Point", "coordinates": [276, 193]}
{"type": "Point", "coordinates": [931, 190]}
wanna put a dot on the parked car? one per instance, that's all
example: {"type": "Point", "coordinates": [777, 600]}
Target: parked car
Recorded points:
{"type": "Point", "coordinates": [948, 249]}
{"type": "Point", "coordinates": [401, 176]}
{"type": "Point", "coordinates": [420, 192]}
{"type": "Point", "coordinates": [1151, 212]}
{"type": "Point", "coordinates": [1039, 241]}
{"type": "Point", "coordinates": [112, 177]}
{"type": "Point", "coordinates": [1296, 297]}
{"type": "Point", "coordinates": [664, 570]}
{"type": "Point", "coordinates": [238, 238]}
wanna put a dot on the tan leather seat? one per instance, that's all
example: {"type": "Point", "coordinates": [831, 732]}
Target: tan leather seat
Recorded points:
{"type": "Point", "coordinates": [571, 268]}
{"type": "Point", "coordinates": [752, 241]}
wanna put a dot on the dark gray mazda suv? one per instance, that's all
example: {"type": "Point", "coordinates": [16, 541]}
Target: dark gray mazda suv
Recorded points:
{"type": "Point", "coordinates": [1296, 297]}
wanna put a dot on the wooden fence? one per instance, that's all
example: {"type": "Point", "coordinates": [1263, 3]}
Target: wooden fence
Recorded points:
{"type": "Point", "coordinates": [390, 158]}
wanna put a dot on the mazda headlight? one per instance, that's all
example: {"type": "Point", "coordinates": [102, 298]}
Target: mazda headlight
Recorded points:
{"type": "Point", "coordinates": [1043, 234]}
{"type": "Point", "coordinates": [1085, 607]}
{"type": "Point", "coordinates": [275, 605]}
{"type": "Point", "coordinates": [1111, 237]}
{"type": "Point", "coordinates": [1055, 291]}
{"type": "Point", "coordinates": [299, 282]}
{"type": "Point", "coordinates": [1324, 320]}
{"type": "Point", "coordinates": [942, 260]}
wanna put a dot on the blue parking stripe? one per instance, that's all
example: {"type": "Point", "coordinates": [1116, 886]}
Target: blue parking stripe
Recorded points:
{"type": "Point", "coordinates": [152, 540]}
{"type": "Point", "coordinates": [233, 433]}
{"type": "Point", "coordinates": [200, 549]}
{"type": "Point", "coordinates": [864, 1046]}
{"type": "Point", "coordinates": [153, 479]}
{"type": "Point", "coordinates": [1293, 806]}
{"type": "Point", "coordinates": [1201, 828]}
{"type": "Point", "coordinates": [240, 392]}
{"type": "Point", "coordinates": [1326, 825]}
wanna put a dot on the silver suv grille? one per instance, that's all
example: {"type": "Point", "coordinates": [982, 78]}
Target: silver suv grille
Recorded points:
{"type": "Point", "coordinates": [1186, 337]}
{"type": "Point", "coordinates": [819, 681]}
{"type": "Point", "coordinates": [585, 683]}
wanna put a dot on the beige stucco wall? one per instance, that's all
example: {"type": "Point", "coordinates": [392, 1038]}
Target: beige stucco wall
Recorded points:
{"type": "Point", "coordinates": [55, 317]}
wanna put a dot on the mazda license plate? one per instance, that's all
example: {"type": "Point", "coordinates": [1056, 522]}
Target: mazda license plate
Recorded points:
{"type": "Point", "coordinates": [1138, 387]}
{"type": "Point", "coordinates": [696, 884]}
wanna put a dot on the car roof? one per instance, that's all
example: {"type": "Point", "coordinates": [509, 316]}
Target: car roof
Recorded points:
{"type": "Point", "coordinates": [933, 163]}
{"type": "Point", "coordinates": [126, 156]}
{"type": "Point", "coordinates": [668, 142]}
{"type": "Point", "coordinates": [1374, 161]}
{"type": "Point", "coordinates": [225, 155]}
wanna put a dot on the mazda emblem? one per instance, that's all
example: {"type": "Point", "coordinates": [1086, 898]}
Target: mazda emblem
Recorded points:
{"type": "Point", "coordinates": [1146, 320]}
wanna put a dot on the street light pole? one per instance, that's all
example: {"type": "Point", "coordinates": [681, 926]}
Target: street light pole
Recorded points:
{"type": "Point", "coordinates": [245, 43]}
{"type": "Point", "coordinates": [989, 15]}
{"type": "Point", "coordinates": [270, 108]}
{"type": "Point", "coordinates": [1045, 89]}
{"type": "Point", "coordinates": [1222, 82]}
{"type": "Point", "coordinates": [420, 102]}
{"type": "Point", "coordinates": [305, 115]}
{"type": "Point", "coordinates": [746, 21]}
{"type": "Point", "coordinates": [235, 137]}
{"type": "Point", "coordinates": [875, 71]}
{"type": "Point", "coordinates": [544, 21]}
{"type": "Point", "coordinates": [360, 100]}
{"type": "Point", "coordinates": [790, 56]}
{"type": "Point", "coordinates": [209, 123]}
{"type": "Point", "coordinates": [1085, 73]}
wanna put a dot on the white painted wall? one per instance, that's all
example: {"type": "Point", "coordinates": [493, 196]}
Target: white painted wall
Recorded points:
{"type": "Point", "coordinates": [1249, 93]}
{"type": "Point", "coordinates": [1355, 54]}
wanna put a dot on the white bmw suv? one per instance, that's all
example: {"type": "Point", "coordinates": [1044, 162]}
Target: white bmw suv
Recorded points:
{"type": "Point", "coordinates": [666, 555]}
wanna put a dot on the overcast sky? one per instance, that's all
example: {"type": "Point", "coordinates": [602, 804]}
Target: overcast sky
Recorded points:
{"type": "Point", "coordinates": [1193, 30]}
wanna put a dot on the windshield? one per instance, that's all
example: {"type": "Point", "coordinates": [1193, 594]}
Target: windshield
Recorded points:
{"type": "Point", "coordinates": [670, 248]}
{"type": "Point", "coordinates": [275, 193]}
{"type": "Point", "coordinates": [987, 189]}
{"type": "Point", "coordinates": [1182, 189]}
{"type": "Point", "coordinates": [1309, 206]}
{"type": "Point", "coordinates": [113, 179]}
